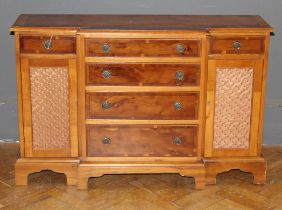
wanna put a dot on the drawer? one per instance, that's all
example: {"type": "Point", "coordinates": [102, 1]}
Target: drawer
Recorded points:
{"type": "Point", "coordinates": [140, 140]}
{"type": "Point", "coordinates": [142, 48]}
{"type": "Point", "coordinates": [41, 44]}
{"type": "Point", "coordinates": [143, 74]}
{"type": "Point", "coordinates": [239, 45]}
{"type": "Point", "coordinates": [142, 105]}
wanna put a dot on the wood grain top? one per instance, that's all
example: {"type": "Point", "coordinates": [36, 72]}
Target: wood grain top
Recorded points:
{"type": "Point", "coordinates": [139, 22]}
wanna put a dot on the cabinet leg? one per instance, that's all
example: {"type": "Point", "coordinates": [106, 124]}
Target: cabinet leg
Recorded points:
{"type": "Point", "coordinates": [71, 179]}
{"type": "Point", "coordinates": [21, 178]}
{"type": "Point", "coordinates": [82, 183]}
{"type": "Point", "coordinates": [199, 182]}
{"type": "Point", "coordinates": [256, 166]}
{"type": "Point", "coordinates": [199, 175]}
{"type": "Point", "coordinates": [25, 167]}
{"type": "Point", "coordinates": [210, 179]}
{"type": "Point", "coordinates": [259, 178]}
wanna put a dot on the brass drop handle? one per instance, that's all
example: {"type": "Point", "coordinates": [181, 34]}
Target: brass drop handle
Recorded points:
{"type": "Point", "coordinates": [106, 74]}
{"type": "Point", "coordinates": [106, 140]}
{"type": "Point", "coordinates": [236, 45]}
{"type": "Point", "coordinates": [178, 105]}
{"type": "Point", "coordinates": [180, 48]}
{"type": "Point", "coordinates": [177, 140]}
{"type": "Point", "coordinates": [179, 75]}
{"type": "Point", "coordinates": [48, 43]}
{"type": "Point", "coordinates": [106, 105]}
{"type": "Point", "coordinates": [106, 48]}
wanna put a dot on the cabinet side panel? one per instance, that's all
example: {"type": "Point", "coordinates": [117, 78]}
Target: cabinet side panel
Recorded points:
{"type": "Point", "coordinates": [50, 107]}
{"type": "Point", "coordinates": [233, 102]}
{"type": "Point", "coordinates": [19, 92]}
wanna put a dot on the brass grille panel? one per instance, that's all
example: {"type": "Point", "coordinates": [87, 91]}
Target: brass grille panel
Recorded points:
{"type": "Point", "coordinates": [50, 107]}
{"type": "Point", "coordinates": [233, 101]}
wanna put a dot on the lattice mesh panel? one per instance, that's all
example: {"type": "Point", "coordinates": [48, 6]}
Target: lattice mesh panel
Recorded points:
{"type": "Point", "coordinates": [50, 107]}
{"type": "Point", "coordinates": [233, 101]}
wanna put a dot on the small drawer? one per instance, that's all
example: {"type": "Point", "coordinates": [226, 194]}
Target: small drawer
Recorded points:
{"type": "Point", "coordinates": [142, 48]}
{"type": "Point", "coordinates": [48, 44]}
{"type": "Point", "coordinates": [143, 74]}
{"type": "Point", "coordinates": [140, 140]}
{"type": "Point", "coordinates": [236, 45]}
{"type": "Point", "coordinates": [142, 105]}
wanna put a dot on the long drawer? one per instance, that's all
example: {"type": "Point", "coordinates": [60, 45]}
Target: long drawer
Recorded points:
{"type": "Point", "coordinates": [141, 140]}
{"type": "Point", "coordinates": [142, 105]}
{"type": "Point", "coordinates": [142, 48]}
{"type": "Point", "coordinates": [143, 74]}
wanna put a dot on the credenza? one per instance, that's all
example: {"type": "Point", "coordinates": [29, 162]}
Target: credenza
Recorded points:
{"type": "Point", "coordinates": [140, 94]}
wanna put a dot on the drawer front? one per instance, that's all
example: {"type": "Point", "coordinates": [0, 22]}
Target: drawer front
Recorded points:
{"type": "Point", "coordinates": [137, 140]}
{"type": "Point", "coordinates": [47, 45]}
{"type": "Point", "coordinates": [142, 105]}
{"type": "Point", "coordinates": [142, 48]}
{"type": "Point", "coordinates": [239, 45]}
{"type": "Point", "coordinates": [143, 74]}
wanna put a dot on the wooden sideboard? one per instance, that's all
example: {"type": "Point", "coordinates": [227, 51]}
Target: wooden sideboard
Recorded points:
{"type": "Point", "coordinates": [116, 94]}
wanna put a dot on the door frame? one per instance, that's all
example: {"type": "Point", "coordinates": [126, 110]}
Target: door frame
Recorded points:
{"type": "Point", "coordinates": [252, 150]}
{"type": "Point", "coordinates": [26, 62]}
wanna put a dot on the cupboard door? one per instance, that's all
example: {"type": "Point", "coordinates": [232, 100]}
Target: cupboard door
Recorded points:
{"type": "Point", "coordinates": [49, 107]}
{"type": "Point", "coordinates": [233, 107]}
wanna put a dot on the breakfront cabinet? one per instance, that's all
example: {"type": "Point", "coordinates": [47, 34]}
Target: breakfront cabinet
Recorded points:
{"type": "Point", "coordinates": [123, 94]}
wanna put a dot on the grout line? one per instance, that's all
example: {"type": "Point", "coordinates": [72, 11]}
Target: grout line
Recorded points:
{"type": "Point", "coordinates": [4, 183]}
